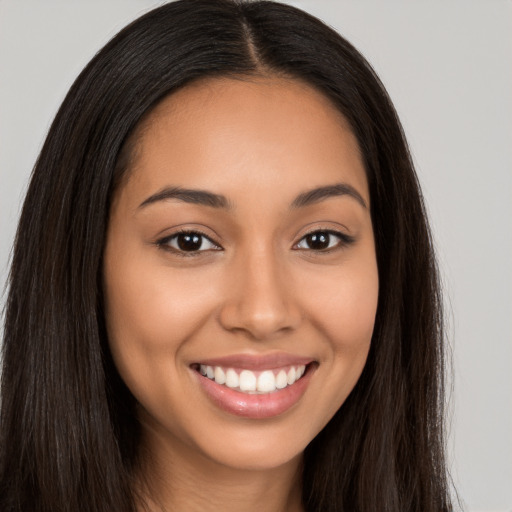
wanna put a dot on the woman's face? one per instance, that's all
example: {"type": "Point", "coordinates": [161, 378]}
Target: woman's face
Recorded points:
{"type": "Point", "coordinates": [241, 246]}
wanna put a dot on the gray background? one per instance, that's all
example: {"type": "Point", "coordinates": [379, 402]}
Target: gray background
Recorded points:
{"type": "Point", "coordinates": [447, 65]}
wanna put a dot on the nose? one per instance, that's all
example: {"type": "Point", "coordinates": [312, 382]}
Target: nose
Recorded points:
{"type": "Point", "coordinates": [260, 301]}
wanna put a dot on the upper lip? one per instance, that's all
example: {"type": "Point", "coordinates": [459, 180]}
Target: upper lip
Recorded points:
{"type": "Point", "coordinates": [257, 361]}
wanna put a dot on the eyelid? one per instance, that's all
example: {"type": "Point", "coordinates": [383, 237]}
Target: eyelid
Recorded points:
{"type": "Point", "coordinates": [163, 243]}
{"type": "Point", "coordinates": [344, 240]}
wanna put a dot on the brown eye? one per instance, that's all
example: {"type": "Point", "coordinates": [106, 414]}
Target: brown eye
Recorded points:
{"type": "Point", "coordinates": [318, 241]}
{"type": "Point", "coordinates": [188, 241]}
{"type": "Point", "coordinates": [324, 240]}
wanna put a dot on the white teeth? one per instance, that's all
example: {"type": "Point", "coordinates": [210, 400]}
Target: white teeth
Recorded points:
{"type": "Point", "coordinates": [219, 375]}
{"type": "Point", "coordinates": [248, 381]}
{"type": "Point", "coordinates": [232, 380]}
{"type": "Point", "coordinates": [281, 380]}
{"type": "Point", "coordinates": [266, 382]}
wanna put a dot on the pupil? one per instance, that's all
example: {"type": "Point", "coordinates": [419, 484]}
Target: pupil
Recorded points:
{"type": "Point", "coordinates": [189, 242]}
{"type": "Point", "coordinates": [318, 241]}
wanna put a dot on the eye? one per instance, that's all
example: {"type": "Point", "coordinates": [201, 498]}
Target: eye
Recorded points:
{"type": "Point", "coordinates": [188, 242]}
{"type": "Point", "coordinates": [324, 240]}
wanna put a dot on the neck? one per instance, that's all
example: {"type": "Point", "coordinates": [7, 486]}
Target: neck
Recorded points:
{"type": "Point", "coordinates": [176, 479]}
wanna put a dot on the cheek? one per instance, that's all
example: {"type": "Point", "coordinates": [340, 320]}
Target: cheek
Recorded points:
{"type": "Point", "coordinates": [339, 304]}
{"type": "Point", "coordinates": [343, 304]}
{"type": "Point", "coordinates": [151, 303]}
{"type": "Point", "coordinates": [351, 314]}
{"type": "Point", "coordinates": [151, 311]}
{"type": "Point", "coordinates": [151, 317]}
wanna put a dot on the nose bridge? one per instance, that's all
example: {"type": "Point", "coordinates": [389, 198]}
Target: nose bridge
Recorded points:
{"type": "Point", "coordinates": [259, 300]}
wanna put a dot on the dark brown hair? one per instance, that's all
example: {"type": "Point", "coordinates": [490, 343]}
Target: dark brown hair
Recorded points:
{"type": "Point", "coordinates": [69, 437]}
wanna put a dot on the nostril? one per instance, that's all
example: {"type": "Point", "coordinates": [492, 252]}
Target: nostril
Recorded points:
{"type": "Point", "coordinates": [259, 323]}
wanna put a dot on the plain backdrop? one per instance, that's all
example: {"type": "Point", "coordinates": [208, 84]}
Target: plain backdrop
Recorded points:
{"type": "Point", "coordinates": [447, 65]}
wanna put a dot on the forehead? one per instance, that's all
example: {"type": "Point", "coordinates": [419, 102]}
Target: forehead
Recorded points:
{"type": "Point", "coordinates": [224, 131]}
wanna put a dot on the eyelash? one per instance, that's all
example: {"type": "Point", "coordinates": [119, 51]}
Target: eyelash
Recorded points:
{"type": "Point", "coordinates": [344, 240]}
{"type": "Point", "coordinates": [164, 243]}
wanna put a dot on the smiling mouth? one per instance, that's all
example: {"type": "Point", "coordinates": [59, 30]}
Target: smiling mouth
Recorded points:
{"type": "Point", "coordinates": [253, 382]}
{"type": "Point", "coordinates": [255, 387]}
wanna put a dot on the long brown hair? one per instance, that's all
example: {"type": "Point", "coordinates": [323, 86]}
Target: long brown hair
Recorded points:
{"type": "Point", "coordinates": [69, 436]}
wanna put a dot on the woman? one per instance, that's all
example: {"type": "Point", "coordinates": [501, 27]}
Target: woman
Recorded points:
{"type": "Point", "coordinates": [223, 291]}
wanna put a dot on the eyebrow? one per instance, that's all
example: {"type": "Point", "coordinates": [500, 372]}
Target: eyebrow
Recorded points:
{"type": "Point", "coordinates": [321, 193]}
{"type": "Point", "coordinates": [187, 195]}
{"type": "Point", "coordinates": [205, 198]}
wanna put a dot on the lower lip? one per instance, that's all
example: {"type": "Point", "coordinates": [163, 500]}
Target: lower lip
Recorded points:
{"type": "Point", "coordinates": [255, 406]}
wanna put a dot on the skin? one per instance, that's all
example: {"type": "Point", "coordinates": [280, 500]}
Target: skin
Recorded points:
{"type": "Point", "coordinates": [259, 288]}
